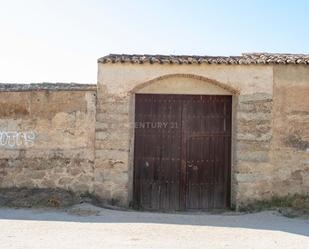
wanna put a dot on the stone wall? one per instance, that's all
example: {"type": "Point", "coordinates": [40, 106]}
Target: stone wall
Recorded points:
{"type": "Point", "coordinates": [64, 136]}
{"type": "Point", "coordinates": [47, 136]}
{"type": "Point", "coordinates": [253, 169]}
{"type": "Point", "coordinates": [251, 86]}
{"type": "Point", "coordinates": [112, 146]}
{"type": "Point", "coordinates": [290, 144]}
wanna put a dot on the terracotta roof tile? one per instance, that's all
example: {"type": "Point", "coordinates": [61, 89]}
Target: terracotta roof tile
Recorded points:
{"type": "Point", "coordinates": [247, 58]}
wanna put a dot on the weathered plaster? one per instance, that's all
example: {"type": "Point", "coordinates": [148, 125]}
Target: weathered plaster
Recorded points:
{"type": "Point", "coordinates": [85, 143]}
{"type": "Point", "coordinates": [54, 139]}
{"type": "Point", "coordinates": [122, 78]}
{"type": "Point", "coordinates": [251, 87]}
{"type": "Point", "coordinates": [290, 144]}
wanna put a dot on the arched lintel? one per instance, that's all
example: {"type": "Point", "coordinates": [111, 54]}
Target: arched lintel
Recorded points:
{"type": "Point", "coordinates": [224, 86]}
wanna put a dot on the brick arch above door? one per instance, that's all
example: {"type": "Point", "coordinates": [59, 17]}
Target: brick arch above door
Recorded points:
{"type": "Point", "coordinates": [184, 84]}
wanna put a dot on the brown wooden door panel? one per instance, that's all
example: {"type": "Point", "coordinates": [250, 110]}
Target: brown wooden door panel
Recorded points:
{"type": "Point", "coordinates": [182, 151]}
{"type": "Point", "coordinates": [206, 130]}
{"type": "Point", "coordinates": [157, 151]}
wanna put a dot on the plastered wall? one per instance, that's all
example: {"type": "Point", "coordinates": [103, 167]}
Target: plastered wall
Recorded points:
{"type": "Point", "coordinates": [47, 139]}
{"type": "Point", "coordinates": [252, 90]}
{"type": "Point", "coordinates": [82, 139]}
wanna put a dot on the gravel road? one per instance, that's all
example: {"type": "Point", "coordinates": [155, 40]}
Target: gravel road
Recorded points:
{"type": "Point", "coordinates": [88, 227]}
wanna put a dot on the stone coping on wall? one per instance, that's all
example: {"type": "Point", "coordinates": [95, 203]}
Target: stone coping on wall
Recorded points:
{"type": "Point", "coordinates": [245, 58]}
{"type": "Point", "coordinates": [17, 87]}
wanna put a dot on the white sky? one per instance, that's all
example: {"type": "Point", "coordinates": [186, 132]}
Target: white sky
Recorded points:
{"type": "Point", "coordinates": [60, 41]}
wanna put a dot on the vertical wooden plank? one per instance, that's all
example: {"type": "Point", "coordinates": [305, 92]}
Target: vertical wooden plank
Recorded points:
{"type": "Point", "coordinates": [183, 181]}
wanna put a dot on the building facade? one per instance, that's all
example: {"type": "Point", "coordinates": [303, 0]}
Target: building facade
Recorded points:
{"type": "Point", "coordinates": [165, 132]}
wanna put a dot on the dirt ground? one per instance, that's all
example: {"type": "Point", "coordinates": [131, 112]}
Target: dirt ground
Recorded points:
{"type": "Point", "coordinates": [88, 227]}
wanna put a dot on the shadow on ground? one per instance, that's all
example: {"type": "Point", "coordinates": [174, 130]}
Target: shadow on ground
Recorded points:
{"type": "Point", "coordinates": [268, 220]}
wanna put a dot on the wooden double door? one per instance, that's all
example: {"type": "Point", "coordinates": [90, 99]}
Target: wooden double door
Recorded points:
{"type": "Point", "coordinates": [182, 151]}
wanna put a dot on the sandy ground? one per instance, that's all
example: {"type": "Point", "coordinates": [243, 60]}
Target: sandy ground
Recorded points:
{"type": "Point", "coordinates": [88, 227]}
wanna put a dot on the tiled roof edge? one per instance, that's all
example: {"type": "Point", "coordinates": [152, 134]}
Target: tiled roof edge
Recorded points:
{"type": "Point", "coordinates": [244, 59]}
{"type": "Point", "coordinates": [11, 87]}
